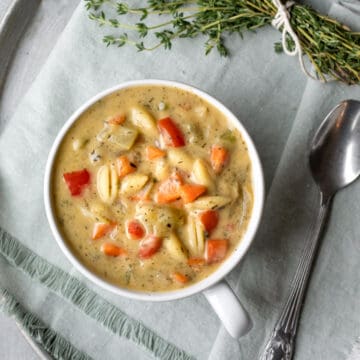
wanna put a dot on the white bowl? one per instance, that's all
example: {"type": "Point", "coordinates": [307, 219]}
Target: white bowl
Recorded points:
{"type": "Point", "coordinates": [219, 294]}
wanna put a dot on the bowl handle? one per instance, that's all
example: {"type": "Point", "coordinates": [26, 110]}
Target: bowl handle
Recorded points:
{"type": "Point", "coordinates": [229, 309]}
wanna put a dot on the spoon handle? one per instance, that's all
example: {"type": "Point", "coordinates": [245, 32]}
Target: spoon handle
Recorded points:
{"type": "Point", "coordinates": [282, 340]}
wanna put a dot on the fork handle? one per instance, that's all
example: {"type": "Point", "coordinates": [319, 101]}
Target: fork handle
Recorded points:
{"type": "Point", "coordinates": [282, 340]}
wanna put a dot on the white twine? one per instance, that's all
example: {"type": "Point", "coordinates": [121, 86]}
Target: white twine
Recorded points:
{"type": "Point", "coordinates": [282, 19]}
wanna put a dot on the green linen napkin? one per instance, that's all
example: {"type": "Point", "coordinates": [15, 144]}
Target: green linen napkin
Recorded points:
{"type": "Point", "coordinates": [280, 108]}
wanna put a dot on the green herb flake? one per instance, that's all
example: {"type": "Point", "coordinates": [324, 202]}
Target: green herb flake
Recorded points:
{"type": "Point", "coordinates": [228, 136]}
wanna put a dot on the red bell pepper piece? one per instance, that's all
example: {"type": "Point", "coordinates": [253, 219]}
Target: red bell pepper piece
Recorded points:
{"type": "Point", "coordinates": [135, 230]}
{"type": "Point", "coordinates": [149, 246]}
{"type": "Point", "coordinates": [171, 134]}
{"type": "Point", "coordinates": [76, 181]}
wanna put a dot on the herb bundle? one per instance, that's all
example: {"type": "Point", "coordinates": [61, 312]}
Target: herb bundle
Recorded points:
{"type": "Point", "coordinates": [332, 48]}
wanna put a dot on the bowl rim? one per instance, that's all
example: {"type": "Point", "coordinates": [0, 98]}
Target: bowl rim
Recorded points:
{"type": "Point", "coordinates": [229, 263]}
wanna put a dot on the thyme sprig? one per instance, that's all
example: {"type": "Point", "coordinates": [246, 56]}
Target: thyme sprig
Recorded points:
{"type": "Point", "coordinates": [332, 48]}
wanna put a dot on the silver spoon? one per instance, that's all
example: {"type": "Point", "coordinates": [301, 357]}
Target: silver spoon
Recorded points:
{"type": "Point", "coordinates": [334, 163]}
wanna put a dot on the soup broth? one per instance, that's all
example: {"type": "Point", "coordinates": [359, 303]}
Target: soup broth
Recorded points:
{"type": "Point", "coordinates": [152, 188]}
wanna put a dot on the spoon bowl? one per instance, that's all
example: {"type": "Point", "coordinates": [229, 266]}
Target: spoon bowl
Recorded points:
{"type": "Point", "coordinates": [335, 152]}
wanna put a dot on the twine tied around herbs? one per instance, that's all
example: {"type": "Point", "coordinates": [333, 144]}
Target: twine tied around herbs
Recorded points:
{"type": "Point", "coordinates": [282, 19]}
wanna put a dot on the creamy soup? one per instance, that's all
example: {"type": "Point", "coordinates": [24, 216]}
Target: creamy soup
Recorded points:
{"type": "Point", "coordinates": [152, 188]}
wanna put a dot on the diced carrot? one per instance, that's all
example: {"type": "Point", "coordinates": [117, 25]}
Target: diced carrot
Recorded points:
{"type": "Point", "coordinates": [190, 192]}
{"type": "Point", "coordinates": [196, 262]}
{"type": "Point", "coordinates": [101, 229]}
{"type": "Point", "coordinates": [135, 230]}
{"type": "Point", "coordinates": [216, 250]}
{"type": "Point", "coordinates": [209, 219]}
{"type": "Point", "coordinates": [153, 152]}
{"type": "Point", "coordinates": [117, 119]}
{"type": "Point", "coordinates": [179, 277]}
{"type": "Point", "coordinates": [149, 246]}
{"type": "Point", "coordinates": [124, 166]}
{"type": "Point", "coordinates": [219, 157]}
{"type": "Point", "coordinates": [169, 189]}
{"type": "Point", "coordinates": [110, 249]}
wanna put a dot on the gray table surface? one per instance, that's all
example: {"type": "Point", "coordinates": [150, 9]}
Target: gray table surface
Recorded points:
{"type": "Point", "coordinates": [32, 51]}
